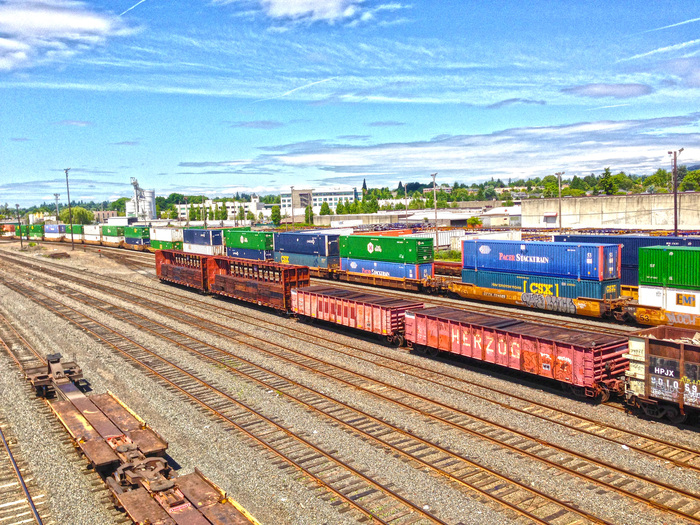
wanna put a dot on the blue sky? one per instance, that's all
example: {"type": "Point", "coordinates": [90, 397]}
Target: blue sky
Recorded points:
{"type": "Point", "coordinates": [217, 96]}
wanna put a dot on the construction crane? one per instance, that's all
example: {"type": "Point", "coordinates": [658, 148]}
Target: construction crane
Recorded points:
{"type": "Point", "coordinates": [139, 196]}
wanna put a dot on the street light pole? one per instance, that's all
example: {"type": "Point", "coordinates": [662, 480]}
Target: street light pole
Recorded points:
{"type": "Point", "coordinates": [70, 212]}
{"type": "Point", "coordinates": [675, 189]}
{"type": "Point", "coordinates": [433, 175]}
{"type": "Point", "coordinates": [559, 174]}
{"type": "Point", "coordinates": [19, 224]}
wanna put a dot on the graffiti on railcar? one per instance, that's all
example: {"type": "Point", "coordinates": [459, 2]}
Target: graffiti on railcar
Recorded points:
{"type": "Point", "coordinates": [547, 302]}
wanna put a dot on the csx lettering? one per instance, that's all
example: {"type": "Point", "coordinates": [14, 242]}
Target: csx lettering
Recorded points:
{"type": "Point", "coordinates": [541, 289]}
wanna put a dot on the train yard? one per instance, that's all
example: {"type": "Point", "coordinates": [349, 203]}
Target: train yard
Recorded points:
{"type": "Point", "coordinates": [302, 424]}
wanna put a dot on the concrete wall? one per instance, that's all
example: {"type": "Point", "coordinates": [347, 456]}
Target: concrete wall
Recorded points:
{"type": "Point", "coordinates": [644, 212]}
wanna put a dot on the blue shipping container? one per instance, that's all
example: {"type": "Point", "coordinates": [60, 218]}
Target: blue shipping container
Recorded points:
{"type": "Point", "coordinates": [54, 228]}
{"type": "Point", "coordinates": [247, 253]}
{"type": "Point", "coordinates": [137, 241]}
{"type": "Point", "coordinates": [325, 244]}
{"type": "Point", "coordinates": [631, 244]}
{"type": "Point", "coordinates": [593, 262]}
{"type": "Point", "coordinates": [630, 275]}
{"type": "Point", "coordinates": [543, 285]}
{"type": "Point", "coordinates": [203, 237]}
{"type": "Point", "coordinates": [303, 259]}
{"type": "Point", "coordinates": [387, 269]}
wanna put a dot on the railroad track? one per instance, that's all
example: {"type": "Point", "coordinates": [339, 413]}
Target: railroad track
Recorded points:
{"type": "Point", "coordinates": [349, 486]}
{"type": "Point", "coordinates": [651, 499]}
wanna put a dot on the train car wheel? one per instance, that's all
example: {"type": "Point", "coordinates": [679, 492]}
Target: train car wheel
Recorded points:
{"type": "Point", "coordinates": [673, 414]}
{"type": "Point", "coordinates": [604, 396]}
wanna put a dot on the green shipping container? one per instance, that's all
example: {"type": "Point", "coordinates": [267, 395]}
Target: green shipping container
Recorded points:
{"type": "Point", "coordinates": [389, 249]}
{"type": "Point", "coordinates": [36, 228]}
{"type": "Point", "coordinates": [137, 232]}
{"type": "Point", "coordinates": [166, 245]}
{"type": "Point", "coordinates": [76, 229]}
{"type": "Point", "coordinates": [248, 239]}
{"type": "Point", "coordinates": [671, 266]}
{"type": "Point", "coordinates": [113, 231]}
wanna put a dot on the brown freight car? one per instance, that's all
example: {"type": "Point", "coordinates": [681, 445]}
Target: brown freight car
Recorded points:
{"type": "Point", "coordinates": [586, 363]}
{"type": "Point", "coordinates": [372, 313]}
{"type": "Point", "coordinates": [265, 283]}
{"type": "Point", "coordinates": [664, 375]}
{"type": "Point", "coordinates": [187, 269]}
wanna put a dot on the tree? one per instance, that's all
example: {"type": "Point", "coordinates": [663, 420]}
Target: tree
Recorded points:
{"type": "Point", "coordinates": [691, 182]}
{"type": "Point", "coordinates": [325, 209]}
{"type": "Point", "coordinates": [400, 190]}
{"type": "Point", "coordinates": [241, 213]}
{"type": "Point", "coordinates": [577, 184]}
{"type": "Point", "coordinates": [173, 212]}
{"type": "Point", "coordinates": [309, 215]}
{"type": "Point", "coordinates": [364, 186]}
{"type": "Point", "coordinates": [276, 216]}
{"type": "Point", "coordinates": [119, 205]}
{"type": "Point", "coordinates": [340, 208]}
{"type": "Point", "coordinates": [80, 216]}
{"type": "Point", "coordinates": [250, 216]}
{"type": "Point", "coordinates": [606, 184]}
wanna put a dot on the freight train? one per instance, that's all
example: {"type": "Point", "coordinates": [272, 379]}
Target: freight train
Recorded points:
{"type": "Point", "coordinates": [585, 363]}
{"type": "Point", "coordinates": [386, 260]}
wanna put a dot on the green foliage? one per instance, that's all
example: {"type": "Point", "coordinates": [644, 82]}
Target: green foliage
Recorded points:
{"type": "Point", "coordinates": [325, 209]}
{"type": "Point", "coordinates": [448, 255]}
{"type": "Point", "coordinates": [309, 214]}
{"type": "Point", "coordinates": [80, 215]}
{"type": "Point", "coordinates": [607, 184]}
{"type": "Point", "coordinates": [250, 216]}
{"type": "Point", "coordinates": [119, 205]}
{"type": "Point", "coordinates": [691, 182]}
{"type": "Point", "coordinates": [172, 213]}
{"type": "Point", "coordinates": [340, 208]}
{"type": "Point", "coordinates": [474, 221]}
{"type": "Point", "coordinates": [276, 216]}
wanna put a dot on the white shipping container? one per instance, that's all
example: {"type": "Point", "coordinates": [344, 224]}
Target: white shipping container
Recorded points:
{"type": "Point", "coordinates": [166, 234]}
{"type": "Point", "coordinates": [670, 299]}
{"type": "Point", "coordinates": [110, 240]}
{"type": "Point", "coordinates": [54, 235]}
{"type": "Point", "coordinates": [511, 235]}
{"type": "Point", "coordinates": [92, 229]}
{"type": "Point", "coordinates": [204, 249]}
{"type": "Point", "coordinates": [92, 238]}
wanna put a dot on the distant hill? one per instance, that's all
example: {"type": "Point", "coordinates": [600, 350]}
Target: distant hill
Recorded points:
{"type": "Point", "coordinates": [693, 168]}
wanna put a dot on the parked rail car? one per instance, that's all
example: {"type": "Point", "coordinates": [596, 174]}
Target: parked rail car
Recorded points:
{"type": "Point", "coordinates": [186, 269]}
{"type": "Point", "coordinates": [587, 363]}
{"type": "Point", "coordinates": [265, 283]}
{"type": "Point", "coordinates": [452, 268]}
{"type": "Point", "coordinates": [376, 314]}
{"type": "Point", "coordinates": [664, 375]}
{"type": "Point", "coordinates": [130, 456]}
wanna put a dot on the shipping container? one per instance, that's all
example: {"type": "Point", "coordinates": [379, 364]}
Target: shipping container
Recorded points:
{"type": "Point", "coordinates": [265, 283]}
{"type": "Point", "coordinates": [590, 361]}
{"type": "Point", "coordinates": [246, 253]}
{"type": "Point", "coordinates": [54, 228]}
{"type": "Point", "coordinates": [166, 234]}
{"type": "Point", "coordinates": [137, 232]}
{"type": "Point", "coordinates": [312, 261]}
{"type": "Point", "coordinates": [629, 275]}
{"type": "Point", "coordinates": [543, 284]}
{"type": "Point", "coordinates": [187, 269]}
{"type": "Point", "coordinates": [113, 240]}
{"type": "Point", "coordinates": [372, 313]}
{"type": "Point", "coordinates": [388, 269]}
{"type": "Point", "coordinates": [664, 373]}
{"type": "Point", "coordinates": [137, 241]}
{"type": "Point", "coordinates": [249, 240]}
{"type": "Point", "coordinates": [75, 228]}
{"type": "Point", "coordinates": [631, 243]}
{"type": "Point", "coordinates": [596, 262]}
{"type": "Point", "coordinates": [92, 229]}
{"type": "Point", "coordinates": [9, 228]}
{"type": "Point", "coordinates": [675, 267]}
{"type": "Point", "coordinates": [112, 231]}
{"type": "Point", "coordinates": [383, 233]}
{"type": "Point", "coordinates": [322, 244]}
{"type": "Point", "coordinates": [166, 245]}
{"type": "Point", "coordinates": [204, 237]}
{"type": "Point", "coordinates": [389, 249]}
{"type": "Point", "coordinates": [54, 236]}
{"type": "Point", "coordinates": [92, 239]}
{"type": "Point", "coordinates": [204, 249]}
{"type": "Point", "coordinates": [670, 299]}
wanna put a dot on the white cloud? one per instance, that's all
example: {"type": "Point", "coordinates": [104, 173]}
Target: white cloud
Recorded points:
{"type": "Point", "coordinates": [50, 30]}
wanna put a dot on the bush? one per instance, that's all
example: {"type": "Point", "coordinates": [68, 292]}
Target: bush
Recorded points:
{"type": "Point", "coordinates": [449, 255]}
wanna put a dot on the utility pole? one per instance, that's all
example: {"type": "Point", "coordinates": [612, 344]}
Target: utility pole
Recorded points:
{"type": "Point", "coordinates": [433, 175]}
{"type": "Point", "coordinates": [57, 195]}
{"type": "Point", "coordinates": [204, 212]}
{"type": "Point", "coordinates": [70, 212]}
{"type": "Point", "coordinates": [292, 208]}
{"type": "Point", "coordinates": [405, 198]}
{"type": "Point", "coordinates": [19, 225]}
{"type": "Point", "coordinates": [675, 189]}
{"type": "Point", "coordinates": [559, 174]}
{"type": "Point", "coordinates": [187, 214]}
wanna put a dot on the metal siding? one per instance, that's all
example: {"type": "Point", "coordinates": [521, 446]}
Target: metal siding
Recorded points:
{"type": "Point", "coordinates": [203, 237]}
{"type": "Point", "coordinates": [312, 261]}
{"type": "Point", "coordinates": [248, 253]}
{"type": "Point", "coordinates": [324, 245]}
{"type": "Point", "coordinates": [387, 269]}
{"type": "Point", "coordinates": [136, 241]}
{"type": "Point", "coordinates": [251, 240]}
{"type": "Point", "coordinates": [388, 249]}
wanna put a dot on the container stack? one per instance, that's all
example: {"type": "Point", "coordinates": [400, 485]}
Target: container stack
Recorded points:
{"type": "Point", "coordinates": [249, 244]}
{"type": "Point", "coordinates": [631, 245]}
{"type": "Point", "coordinates": [76, 230]}
{"type": "Point", "coordinates": [382, 256]}
{"type": "Point", "coordinates": [54, 232]}
{"type": "Point", "coordinates": [558, 269]}
{"type": "Point", "coordinates": [137, 235]}
{"type": "Point", "coordinates": [92, 234]}
{"type": "Point", "coordinates": [32, 231]}
{"type": "Point", "coordinates": [8, 230]}
{"type": "Point", "coordinates": [166, 238]}
{"type": "Point", "coordinates": [113, 235]}
{"type": "Point", "coordinates": [669, 278]}
{"type": "Point", "coordinates": [312, 249]}
{"type": "Point", "coordinates": [203, 242]}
